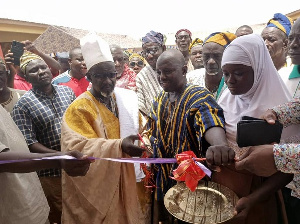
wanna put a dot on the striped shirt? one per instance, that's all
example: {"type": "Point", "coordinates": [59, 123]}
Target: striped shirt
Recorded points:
{"type": "Point", "coordinates": [181, 128]}
{"type": "Point", "coordinates": [39, 116]}
{"type": "Point", "coordinates": [148, 87]}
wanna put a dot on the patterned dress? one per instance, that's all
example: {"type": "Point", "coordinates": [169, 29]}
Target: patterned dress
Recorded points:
{"type": "Point", "coordinates": [127, 79]}
{"type": "Point", "coordinates": [287, 156]}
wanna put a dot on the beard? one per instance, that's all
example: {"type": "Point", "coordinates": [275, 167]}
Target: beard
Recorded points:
{"type": "Point", "coordinates": [107, 94]}
{"type": "Point", "coordinates": [212, 73]}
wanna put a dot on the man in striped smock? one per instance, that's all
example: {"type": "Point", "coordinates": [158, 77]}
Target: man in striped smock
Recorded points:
{"type": "Point", "coordinates": [146, 81]}
{"type": "Point", "coordinates": [182, 117]}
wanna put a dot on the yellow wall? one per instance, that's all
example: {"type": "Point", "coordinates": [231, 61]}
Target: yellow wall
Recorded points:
{"type": "Point", "coordinates": [294, 15]}
{"type": "Point", "coordinates": [18, 30]}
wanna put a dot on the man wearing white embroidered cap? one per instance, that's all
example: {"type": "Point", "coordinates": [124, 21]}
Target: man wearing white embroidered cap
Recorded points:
{"type": "Point", "coordinates": [102, 122]}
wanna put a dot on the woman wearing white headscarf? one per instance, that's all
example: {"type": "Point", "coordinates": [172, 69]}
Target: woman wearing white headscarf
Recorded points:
{"type": "Point", "coordinates": [253, 86]}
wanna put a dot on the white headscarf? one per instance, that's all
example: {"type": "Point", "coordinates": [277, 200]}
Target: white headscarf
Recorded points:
{"type": "Point", "coordinates": [268, 89]}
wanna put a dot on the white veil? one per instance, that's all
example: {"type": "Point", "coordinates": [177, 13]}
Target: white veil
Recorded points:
{"type": "Point", "coordinates": [268, 89]}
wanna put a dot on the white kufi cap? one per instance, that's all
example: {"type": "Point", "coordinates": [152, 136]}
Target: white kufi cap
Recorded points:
{"type": "Point", "coordinates": [94, 50]}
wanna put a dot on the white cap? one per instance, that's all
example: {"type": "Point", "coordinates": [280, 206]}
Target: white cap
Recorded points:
{"type": "Point", "coordinates": [94, 50]}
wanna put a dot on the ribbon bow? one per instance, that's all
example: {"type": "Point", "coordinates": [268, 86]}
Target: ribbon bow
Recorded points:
{"type": "Point", "coordinates": [189, 170]}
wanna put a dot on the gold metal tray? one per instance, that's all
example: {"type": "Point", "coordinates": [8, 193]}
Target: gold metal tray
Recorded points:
{"type": "Point", "coordinates": [210, 203]}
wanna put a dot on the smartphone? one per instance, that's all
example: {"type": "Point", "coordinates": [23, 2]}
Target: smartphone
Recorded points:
{"type": "Point", "coordinates": [17, 48]}
{"type": "Point", "coordinates": [247, 118]}
{"type": "Point", "coordinates": [257, 132]}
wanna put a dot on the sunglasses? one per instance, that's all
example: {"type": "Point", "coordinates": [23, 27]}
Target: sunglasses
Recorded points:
{"type": "Point", "coordinates": [151, 51]}
{"type": "Point", "coordinates": [104, 76]}
{"type": "Point", "coordinates": [139, 64]}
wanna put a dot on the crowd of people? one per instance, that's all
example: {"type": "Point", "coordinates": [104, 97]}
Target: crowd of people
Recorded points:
{"type": "Point", "coordinates": [100, 101]}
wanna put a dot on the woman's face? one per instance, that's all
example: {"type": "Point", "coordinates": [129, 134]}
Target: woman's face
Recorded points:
{"type": "Point", "coordinates": [136, 64]}
{"type": "Point", "coordinates": [239, 78]}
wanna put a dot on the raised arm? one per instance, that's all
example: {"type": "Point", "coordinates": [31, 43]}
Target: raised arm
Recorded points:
{"type": "Point", "coordinates": [51, 62]}
{"type": "Point", "coordinates": [12, 70]}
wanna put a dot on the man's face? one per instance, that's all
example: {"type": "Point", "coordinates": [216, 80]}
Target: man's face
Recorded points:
{"type": "Point", "coordinates": [196, 56]}
{"type": "Point", "coordinates": [238, 78]}
{"type": "Point", "coordinates": [118, 57]}
{"type": "Point", "coordinates": [170, 74]}
{"type": "Point", "coordinates": [136, 64]}
{"type": "Point", "coordinates": [3, 77]}
{"type": "Point", "coordinates": [103, 77]}
{"type": "Point", "coordinates": [38, 73]}
{"type": "Point", "coordinates": [212, 56]}
{"type": "Point", "coordinates": [183, 41]}
{"type": "Point", "coordinates": [151, 52]}
{"type": "Point", "coordinates": [294, 43]}
{"type": "Point", "coordinates": [77, 64]}
{"type": "Point", "coordinates": [64, 64]}
{"type": "Point", "coordinates": [275, 41]}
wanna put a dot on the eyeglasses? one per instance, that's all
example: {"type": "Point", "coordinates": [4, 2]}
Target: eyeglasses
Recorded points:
{"type": "Point", "coordinates": [182, 37]}
{"type": "Point", "coordinates": [151, 51]}
{"type": "Point", "coordinates": [139, 64]}
{"type": "Point", "coordinates": [104, 76]}
{"type": "Point", "coordinates": [119, 59]}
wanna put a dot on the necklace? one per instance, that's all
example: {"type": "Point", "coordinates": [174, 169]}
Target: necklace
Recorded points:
{"type": "Point", "coordinates": [213, 90]}
{"type": "Point", "coordinates": [109, 104]}
{"type": "Point", "coordinates": [173, 97]}
{"type": "Point", "coordinates": [171, 112]}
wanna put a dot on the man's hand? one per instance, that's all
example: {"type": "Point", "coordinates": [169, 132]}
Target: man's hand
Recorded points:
{"type": "Point", "coordinates": [9, 58]}
{"type": "Point", "coordinates": [129, 148]}
{"type": "Point", "coordinates": [258, 160]}
{"type": "Point", "coordinates": [270, 116]}
{"type": "Point", "coordinates": [29, 46]}
{"type": "Point", "coordinates": [218, 155]}
{"type": "Point", "coordinates": [76, 167]}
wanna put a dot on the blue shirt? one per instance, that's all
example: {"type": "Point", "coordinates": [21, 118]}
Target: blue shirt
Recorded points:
{"type": "Point", "coordinates": [39, 116]}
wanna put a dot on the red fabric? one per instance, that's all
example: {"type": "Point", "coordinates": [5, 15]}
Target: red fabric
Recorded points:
{"type": "Point", "coordinates": [186, 30]}
{"type": "Point", "coordinates": [149, 181]}
{"type": "Point", "coordinates": [187, 170]}
{"type": "Point", "coordinates": [78, 86]}
{"type": "Point", "coordinates": [21, 83]}
{"type": "Point", "coordinates": [127, 79]}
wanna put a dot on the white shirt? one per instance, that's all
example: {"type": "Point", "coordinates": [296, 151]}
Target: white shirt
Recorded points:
{"type": "Point", "coordinates": [293, 85]}
{"type": "Point", "coordinates": [22, 200]}
{"type": "Point", "coordinates": [196, 77]}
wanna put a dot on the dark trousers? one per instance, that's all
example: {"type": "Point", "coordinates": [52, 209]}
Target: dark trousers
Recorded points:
{"type": "Point", "coordinates": [292, 206]}
{"type": "Point", "coordinates": [53, 192]}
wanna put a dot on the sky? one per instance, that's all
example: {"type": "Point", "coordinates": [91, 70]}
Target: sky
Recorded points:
{"type": "Point", "coordinates": [137, 17]}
